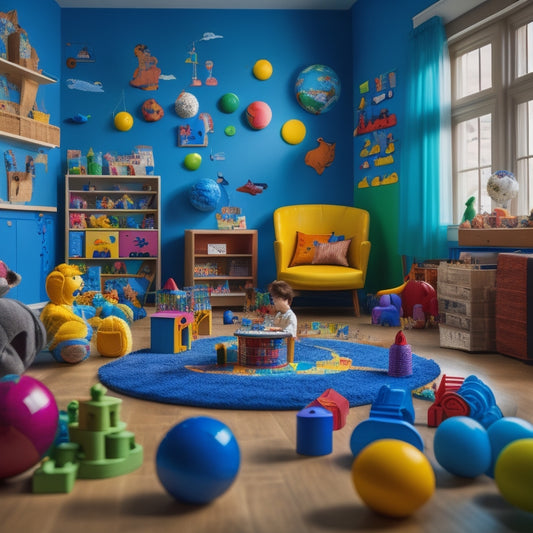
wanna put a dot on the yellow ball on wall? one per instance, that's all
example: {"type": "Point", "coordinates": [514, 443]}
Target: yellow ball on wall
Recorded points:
{"type": "Point", "coordinates": [293, 131]}
{"type": "Point", "coordinates": [123, 121]}
{"type": "Point", "coordinates": [262, 69]}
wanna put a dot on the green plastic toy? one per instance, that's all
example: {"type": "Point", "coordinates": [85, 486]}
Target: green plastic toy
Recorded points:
{"type": "Point", "coordinates": [99, 446]}
{"type": "Point", "coordinates": [470, 211]}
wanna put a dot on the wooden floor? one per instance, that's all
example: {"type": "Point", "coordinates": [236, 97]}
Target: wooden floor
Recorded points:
{"type": "Point", "coordinates": [276, 490]}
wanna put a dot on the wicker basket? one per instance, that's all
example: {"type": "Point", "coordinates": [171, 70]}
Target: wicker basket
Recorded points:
{"type": "Point", "coordinates": [38, 131]}
{"type": "Point", "coordinates": [9, 123]}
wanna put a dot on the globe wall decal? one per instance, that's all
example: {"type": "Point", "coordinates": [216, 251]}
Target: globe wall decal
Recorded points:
{"type": "Point", "coordinates": [317, 89]}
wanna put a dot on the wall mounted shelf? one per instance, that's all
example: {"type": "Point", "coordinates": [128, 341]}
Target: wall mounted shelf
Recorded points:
{"type": "Point", "coordinates": [19, 127]}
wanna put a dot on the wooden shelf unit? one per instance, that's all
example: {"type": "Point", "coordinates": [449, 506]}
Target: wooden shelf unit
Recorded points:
{"type": "Point", "coordinates": [235, 269]}
{"type": "Point", "coordinates": [146, 188]}
{"type": "Point", "coordinates": [19, 127]}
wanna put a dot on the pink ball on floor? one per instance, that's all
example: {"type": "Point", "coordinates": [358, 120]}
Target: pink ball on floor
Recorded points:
{"type": "Point", "coordinates": [28, 423]}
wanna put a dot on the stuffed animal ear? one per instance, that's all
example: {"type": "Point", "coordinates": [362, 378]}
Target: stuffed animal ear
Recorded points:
{"type": "Point", "coordinates": [8, 279]}
{"type": "Point", "coordinates": [54, 287]}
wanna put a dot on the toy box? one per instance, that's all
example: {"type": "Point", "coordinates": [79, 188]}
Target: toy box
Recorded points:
{"type": "Point", "coordinates": [138, 243]}
{"type": "Point", "coordinates": [101, 243]}
{"type": "Point", "coordinates": [514, 305]}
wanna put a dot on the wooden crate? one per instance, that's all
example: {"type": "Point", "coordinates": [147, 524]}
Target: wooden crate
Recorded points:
{"type": "Point", "coordinates": [502, 237]}
{"type": "Point", "coordinates": [470, 341]}
{"type": "Point", "coordinates": [467, 275]}
{"type": "Point", "coordinates": [472, 294]}
{"type": "Point", "coordinates": [467, 323]}
{"type": "Point", "coordinates": [514, 306]}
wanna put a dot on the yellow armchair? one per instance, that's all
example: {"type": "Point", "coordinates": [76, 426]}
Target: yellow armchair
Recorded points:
{"type": "Point", "coordinates": [316, 219]}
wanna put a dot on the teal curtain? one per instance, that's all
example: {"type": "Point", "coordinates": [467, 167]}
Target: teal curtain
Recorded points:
{"type": "Point", "coordinates": [425, 167]}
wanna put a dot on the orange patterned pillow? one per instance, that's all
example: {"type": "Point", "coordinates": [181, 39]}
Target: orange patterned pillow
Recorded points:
{"type": "Point", "coordinates": [332, 253]}
{"type": "Point", "coordinates": [305, 248]}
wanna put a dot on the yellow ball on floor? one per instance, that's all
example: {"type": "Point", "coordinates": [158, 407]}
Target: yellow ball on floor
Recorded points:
{"type": "Point", "coordinates": [113, 338]}
{"type": "Point", "coordinates": [513, 474]}
{"type": "Point", "coordinates": [393, 477]}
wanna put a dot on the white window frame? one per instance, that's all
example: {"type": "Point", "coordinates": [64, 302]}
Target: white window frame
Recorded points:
{"type": "Point", "coordinates": [501, 100]}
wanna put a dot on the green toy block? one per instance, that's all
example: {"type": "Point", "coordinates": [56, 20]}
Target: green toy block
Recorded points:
{"type": "Point", "coordinates": [99, 446]}
{"type": "Point", "coordinates": [59, 474]}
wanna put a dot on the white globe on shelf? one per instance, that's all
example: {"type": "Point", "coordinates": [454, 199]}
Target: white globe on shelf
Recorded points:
{"type": "Point", "coordinates": [502, 187]}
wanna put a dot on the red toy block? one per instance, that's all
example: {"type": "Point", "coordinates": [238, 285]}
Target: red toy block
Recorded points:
{"type": "Point", "coordinates": [448, 402]}
{"type": "Point", "coordinates": [336, 403]}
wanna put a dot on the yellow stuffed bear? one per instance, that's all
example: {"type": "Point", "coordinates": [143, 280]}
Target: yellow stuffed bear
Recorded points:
{"type": "Point", "coordinates": [68, 327]}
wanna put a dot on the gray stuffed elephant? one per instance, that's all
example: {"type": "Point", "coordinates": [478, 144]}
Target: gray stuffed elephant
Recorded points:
{"type": "Point", "coordinates": [22, 334]}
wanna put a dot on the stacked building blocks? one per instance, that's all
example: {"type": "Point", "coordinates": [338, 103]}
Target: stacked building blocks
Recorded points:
{"type": "Point", "coordinates": [447, 402]}
{"type": "Point", "coordinates": [339, 406]}
{"type": "Point", "coordinates": [467, 303]}
{"type": "Point", "coordinates": [99, 446]}
{"type": "Point", "coordinates": [171, 331]}
{"type": "Point", "coordinates": [391, 417]}
{"type": "Point", "coordinates": [464, 397]}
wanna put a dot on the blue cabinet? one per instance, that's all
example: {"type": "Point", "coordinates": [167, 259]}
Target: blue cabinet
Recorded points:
{"type": "Point", "coordinates": [28, 246]}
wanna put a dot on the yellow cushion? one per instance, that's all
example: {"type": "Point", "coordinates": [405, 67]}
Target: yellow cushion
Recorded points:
{"type": "Point", "coordinates": [305, 247]}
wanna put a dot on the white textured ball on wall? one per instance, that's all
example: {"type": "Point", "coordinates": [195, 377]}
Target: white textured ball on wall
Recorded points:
{"type": "Point", "coordinates": [186, 105]}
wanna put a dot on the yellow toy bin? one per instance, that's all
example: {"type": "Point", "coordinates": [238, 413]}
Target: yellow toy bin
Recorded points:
{"type": "Point", "coordinates": [101, 244]}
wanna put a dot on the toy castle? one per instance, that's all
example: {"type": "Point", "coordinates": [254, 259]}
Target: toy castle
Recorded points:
{"type": "Point", "coordinates": [98, 447]}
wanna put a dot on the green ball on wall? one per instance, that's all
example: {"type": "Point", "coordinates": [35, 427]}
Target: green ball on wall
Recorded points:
{"type": "Point", "coordinates": [228, 103]}
{"type": "Point", "coordinates": [192, 161]}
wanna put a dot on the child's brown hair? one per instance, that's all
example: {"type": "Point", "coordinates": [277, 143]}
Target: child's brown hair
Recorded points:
{"type": "Point", "coordinates": [281, 289]}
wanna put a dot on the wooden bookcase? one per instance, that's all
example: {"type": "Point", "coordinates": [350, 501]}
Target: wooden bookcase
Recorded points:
{"type": "Point", "coordinates": [134, 240]}
{"type": "Point", "coordinates": [224, 260]}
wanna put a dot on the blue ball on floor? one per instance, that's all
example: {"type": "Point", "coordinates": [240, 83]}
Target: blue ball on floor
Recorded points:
{"type": "Point", "coordinates": [198, 460]}
{"type": "Point", "coordinates": [505, 431]}
{"type": "Point", "coordinates": [462, 446]}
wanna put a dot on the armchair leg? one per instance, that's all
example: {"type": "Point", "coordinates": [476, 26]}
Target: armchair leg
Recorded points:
{"type": "Point", "coordinates": [355, 298]}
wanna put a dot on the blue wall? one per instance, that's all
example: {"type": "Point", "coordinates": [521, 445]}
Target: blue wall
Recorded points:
{"type": "Point", "coordinates": [41, 20]}
{"type": "Point", "coordinates": [357, 45]}
{"type": "Point", "coordinates": [290, 40]}
{"type": "Point", "coordinates": [380, 46]}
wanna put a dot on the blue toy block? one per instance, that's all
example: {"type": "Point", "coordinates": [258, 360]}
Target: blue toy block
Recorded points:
{"type": "Point", "coordinates": [171, 331]}
{"type": "Point", "coordinates": [76, 243]}
{"type": "Point", "coordinates": [314, 431]}
{"type": "Point", "coordinates": [391, 417]}
{"type": "Point", "coordinates": [481, 401]}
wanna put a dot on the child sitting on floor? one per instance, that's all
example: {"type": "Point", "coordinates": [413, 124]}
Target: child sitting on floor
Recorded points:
{"type": "Point", "coordinates": [285, 319]}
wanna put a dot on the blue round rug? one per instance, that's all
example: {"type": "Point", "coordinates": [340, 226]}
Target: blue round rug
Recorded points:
{"type": "Point", "coordinates": [356, 371]}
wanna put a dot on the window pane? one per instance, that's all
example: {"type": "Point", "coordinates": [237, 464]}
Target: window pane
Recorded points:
{"type": "Point", "coordinates": [485, 205]}
{"type": "Point", "coordinates": [486, 67]}
{"type": "Point", "coordinates": [522, 130]}
{"type": "Point", "coordinates": [485, 141]}
{"type": "Point", "coordinates": [524, 50]}
{"type": "Point", "coordinates": [474, 71]}
{"type": "Point", "coordinates": [467, 186]}
{"type": "Point", "coordinates": [524, 155]}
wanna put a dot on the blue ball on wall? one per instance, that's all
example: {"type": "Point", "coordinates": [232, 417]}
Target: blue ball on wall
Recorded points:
{"type": "Point", "coordinates": [205, 195]}
{"type": "Point", "coordinates": [198, 460]}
